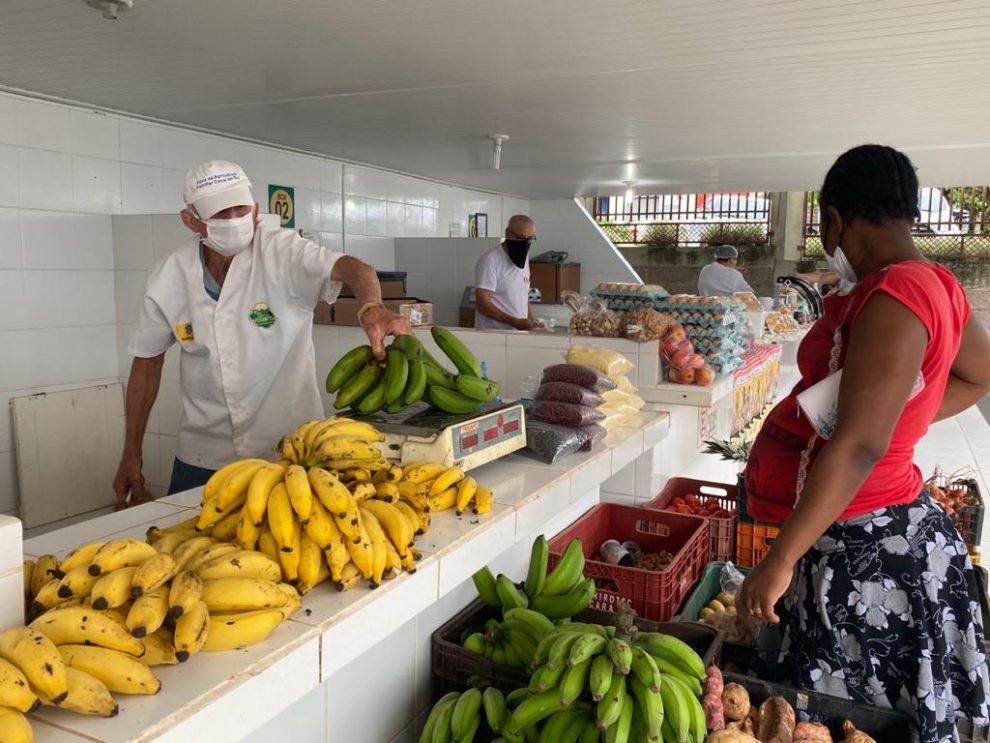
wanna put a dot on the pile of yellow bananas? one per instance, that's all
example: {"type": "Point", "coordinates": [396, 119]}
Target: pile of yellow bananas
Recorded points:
{"type": "Point", "coordinates": [101, 618]}
{"type": "Point", "coordinates": [333, 508]}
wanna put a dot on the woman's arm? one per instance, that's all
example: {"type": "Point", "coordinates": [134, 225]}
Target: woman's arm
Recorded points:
{"type": "Point", "coordinates": [969, 380]}
{"type": "Point", "coordinates": [886, 350]}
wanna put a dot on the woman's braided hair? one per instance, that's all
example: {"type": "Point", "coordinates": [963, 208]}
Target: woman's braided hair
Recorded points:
{"type": "Point", "coordinates": [872, 182]}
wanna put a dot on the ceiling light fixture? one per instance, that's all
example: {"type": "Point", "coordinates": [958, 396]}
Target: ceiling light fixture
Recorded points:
{"type": "Point", "coordinates": [497, 140]}
{"type": "Point", "coordinates": [111, 8]}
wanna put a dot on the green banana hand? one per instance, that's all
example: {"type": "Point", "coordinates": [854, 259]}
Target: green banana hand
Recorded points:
{"type": "Point", "coordinates": [568, 571]}
{"type": "Point", "coordinates": [456, 351]}
{"type": "Point", "coordinates": [450, 401]}
{"type": "Point", "coordinates": [396, 375]}
{"type": "Point", "coordinates": [484, 582]}
{"type": "Point", "coordinates": [482, 390]}
{"type": "Point", "coordinates": [347, 366]}
{"type": "Point", "coordinates": [538, 558]}
{"type": "Point", "coordinates": [358, 385]}
{"type": "Point", "coordinates": [416, 386]}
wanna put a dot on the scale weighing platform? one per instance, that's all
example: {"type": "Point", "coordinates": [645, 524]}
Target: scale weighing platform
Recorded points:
{"type": "Point", "coordinates": [422, 433]}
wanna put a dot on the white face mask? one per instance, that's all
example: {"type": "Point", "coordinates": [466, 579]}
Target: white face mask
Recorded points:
{"type": "Point", "coordinates": [841, 265]}
{"type": "Point", "coordinates": [230, 236]}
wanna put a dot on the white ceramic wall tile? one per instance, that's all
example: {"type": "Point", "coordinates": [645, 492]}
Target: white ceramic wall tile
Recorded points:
{"type": "Point", "coordinates": [250, 157]}
{"type": "Point", "coordinates": [8, 482]}
{"type": "Point", "coordinates": [427, 621]}
{"type": "Point", "coordinates": [11, 598]}
{"type": "Point", "coordinates": [140, 143]}
{"type": "Point", "coordinates": [395, 219]}
{"type": "Point", "coordinates": [83, 298]}
{"type": "Point", "coordinates": [7, 104]}
{"type": "Point", "coordinates": [331, 176]}
{"type": "Point", "coordinates": [51, 356]}
{"type": "Point", "coordinates": [140, 188]}
{"type": "Point", "coordinates": [431, 223]}
{"type": "Point", "coordinates": [67, 241]}
{"type": "Point", "coordinates": [309, 209]}
{"type": "Point", "coordinates": [413, 221]}
{"type": "Point", "coordinates": [305, 721]}
{"type": "Point", "coordinates": [173, 182]}
{"type": "Point", "coordinates": [94, 134]}
{"type": "Point", "coordinates": [288, 169]}
{"type": "Point", "coordinates": [10, 192]}
{"type": "Point", "coordinates": [376, 251]}
{"type": "Point", "coordinates": [41, 125]}
{"type": "Point", "coordinates": [168, 234]}
{"type": "Point", "coordinates": [375, 224]}
{"type": "Point", "coordinates": [11, 536]}
{"type": "Point", "coordinates": [133, 243]}
{"type": "Point", "coordinates": [332, 240]}
{"type": "Point", "coordinates": [333, 212]}
{"type": "Point", "coordinates": [182, 149]}
{"type": "Point", "coordinates": [461, 557]}
{"type": "Point", "coordinates": [389, 668]}
{"type": "Point", "coordinates": [45, 179]}
{"type": "Point", "coordinates": [97, 185]}
{"type": "Point", "coordinates": [355, 215]}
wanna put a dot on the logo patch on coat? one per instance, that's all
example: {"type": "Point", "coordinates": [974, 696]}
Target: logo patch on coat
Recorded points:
{"type": "Point", "coordinates": [262, 315]}
{"type": "Point", "coordinates": [184, 332]}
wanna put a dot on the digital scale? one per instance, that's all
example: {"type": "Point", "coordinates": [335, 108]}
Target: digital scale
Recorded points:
{"type": "Point", "coordinates": [422, 433]}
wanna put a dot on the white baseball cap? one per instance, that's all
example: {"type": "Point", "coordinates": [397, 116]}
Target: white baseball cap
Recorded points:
{"type": "Point", "coordinates": [216, 185]}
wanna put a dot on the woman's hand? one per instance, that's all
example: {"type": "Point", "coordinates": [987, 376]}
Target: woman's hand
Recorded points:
{"type": "Point", "coordinates": [379, 323]}
{"type": "Point", "coordinates": [763, 587]}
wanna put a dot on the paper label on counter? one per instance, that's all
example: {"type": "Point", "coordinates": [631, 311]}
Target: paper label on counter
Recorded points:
{"type": "Point", "coordinates": [415, 317]}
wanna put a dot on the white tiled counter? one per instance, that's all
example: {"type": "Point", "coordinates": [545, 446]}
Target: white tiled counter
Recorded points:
{"type": "Point", "coordinates": [351, 666]}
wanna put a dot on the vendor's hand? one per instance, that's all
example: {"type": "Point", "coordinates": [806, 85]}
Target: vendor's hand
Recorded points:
{"type": "Point", "coordinates": [379, 323]}
{"type": "Point", "coordinates": [763, 587]}
{"type": "Point", "coordinates": [525, 323]}
{"type": "Point", "coordinates": [129, 483]}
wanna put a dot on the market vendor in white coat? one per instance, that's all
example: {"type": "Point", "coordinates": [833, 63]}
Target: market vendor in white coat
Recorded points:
{"type": "Point", "coordinates": [722, 278]}
{"type": "Point", "coordinates": [501, 280]}
{"type": "Point", "coordinates": [238, 299]}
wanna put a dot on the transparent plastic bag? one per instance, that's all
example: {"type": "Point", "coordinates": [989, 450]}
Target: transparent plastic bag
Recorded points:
{"type": "Point", "coordinates": [548, 443]}
{"type": "Point", "coordinates": [563, 413]}
{"type": "Point", "coordinates": [595, 433]}
{"type": "Point", "coordinates": [610, 363]}
{"type": "Point", "coordinates": [567, 392]}
{"type": "Point", "coordinates": [646, 325]}
{"type": "Point", "coordinates": [578, 374]}
{"type": "Point", "coordinates": [594, 318]}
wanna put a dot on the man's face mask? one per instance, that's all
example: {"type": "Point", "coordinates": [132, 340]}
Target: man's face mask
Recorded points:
{"type": "Point", "coordinates": [518, 251]}
{"type": "Point", "coordinates": [230, 236]}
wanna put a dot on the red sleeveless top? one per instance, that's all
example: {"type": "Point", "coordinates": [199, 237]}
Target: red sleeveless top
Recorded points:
{"type": "Point", "coordinates": [787, 445]}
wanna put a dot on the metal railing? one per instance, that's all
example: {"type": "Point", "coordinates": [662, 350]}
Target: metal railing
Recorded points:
{"type": "Point", "coordinates": [954, 223]}
{"type": "Point", "coordinates": [684, 220]}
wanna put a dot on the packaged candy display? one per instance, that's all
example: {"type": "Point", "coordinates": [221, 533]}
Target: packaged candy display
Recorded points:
{"type": "Point", "coordinates": [594, 318]}
{"type": "Point", "coordinates": [646, 325]}
{"type": "Point", "coordinates": [570, 393]}
{"type": "Point", "coordinates": [610, 363]}
{"type": "Point", "coordinates": [579, 374]}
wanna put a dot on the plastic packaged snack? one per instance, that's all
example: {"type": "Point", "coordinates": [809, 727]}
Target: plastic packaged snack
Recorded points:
{"type": "Point", "coordinates": [548, 443]}
{"type": "Point", "coordinates": [567, 392]}
{"type": "Point", "coordinates": [578, 374]}
{"type": "Point", "coordinates": [610, 363]}
{"type": "Point", "coordinates": [563, 413]}
{"type": "Point", "coordinates": [620, 400]}
{"type": "Point", "coordinates": [646, 325]}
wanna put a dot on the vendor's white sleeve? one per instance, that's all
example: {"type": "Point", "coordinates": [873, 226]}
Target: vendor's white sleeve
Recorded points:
{"type": "Point", "coordinates": [152, 336]}
{"type": "Point", "coordinates": [310, 267]}
{"type": "Point", "coordinates": [743, 285]}
{"type": "Point", "coordinates": [486, 274]}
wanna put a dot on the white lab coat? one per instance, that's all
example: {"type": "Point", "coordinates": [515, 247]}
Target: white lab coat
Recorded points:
{"type": "Point", "coordinates": [248, 364]}
{"type": "Point", "coordinates": [716, 280]}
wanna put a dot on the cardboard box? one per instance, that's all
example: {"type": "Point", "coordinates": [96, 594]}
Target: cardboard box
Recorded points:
{"type": "Point", "coordinates": [344, 311]}
{"type": "Point", "coordinates": [553, 278]}
{"type": "Point", "coordinates": [391, 289]}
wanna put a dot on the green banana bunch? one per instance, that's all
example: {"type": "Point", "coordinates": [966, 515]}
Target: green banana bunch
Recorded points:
{"type": "Point", "coordinates": [456, 351]}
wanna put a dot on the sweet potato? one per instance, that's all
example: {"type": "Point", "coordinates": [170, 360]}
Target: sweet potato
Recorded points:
{"type": "Point", "coordinates": [853, 735]}
{"type": "Point", "coordinates": [735, 702]}
{"type": "Point", "coordinates": [714, 683]}
{"type": "Point", "coordinates": [811, 732]}
{"type": "Point", "coordinates": [777, 721]}
{"type": "Point", "coordinates": [714, 715]}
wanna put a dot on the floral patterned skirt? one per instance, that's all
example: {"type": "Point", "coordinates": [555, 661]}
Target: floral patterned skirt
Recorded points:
{"type": "Point", "coordinates": [880, 612]}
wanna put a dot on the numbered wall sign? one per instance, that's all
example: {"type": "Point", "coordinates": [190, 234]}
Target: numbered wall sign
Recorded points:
{"type": "Point", "coordinates": [282, 201]}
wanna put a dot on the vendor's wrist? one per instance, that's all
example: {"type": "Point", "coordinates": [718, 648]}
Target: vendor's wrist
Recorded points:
{"type": "Point", "coordinates": [369, 307]}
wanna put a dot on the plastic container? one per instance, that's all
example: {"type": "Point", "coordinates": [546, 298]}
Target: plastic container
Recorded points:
{"type": "Point", "coordinates": [455, 668]}
{"type": "Point", "coordinates": [969, 519]}
{"type": "Point", "coordinates": [722, 534]}
{"type": "Point", "coordinates": [653, 595]}
{"type": "Point", "coordinates": [753, 542]}
{"type": "Point", "coordinates": [884, 725]}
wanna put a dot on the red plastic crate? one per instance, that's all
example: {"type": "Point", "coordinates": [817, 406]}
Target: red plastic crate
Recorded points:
{"type": "Point", "coordinates": [722, 537]}
{"type": "Point", "coordinates": [753, 541]}
{"type": "Point", "coordinates": [654, 595]}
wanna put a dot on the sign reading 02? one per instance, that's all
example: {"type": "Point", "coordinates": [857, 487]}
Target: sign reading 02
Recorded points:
{"type": "Point", "coordinates": [281, 201]}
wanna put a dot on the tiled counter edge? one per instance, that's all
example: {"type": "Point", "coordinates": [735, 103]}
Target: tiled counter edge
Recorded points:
{"type": "Point", "coordinates": [229, 695]}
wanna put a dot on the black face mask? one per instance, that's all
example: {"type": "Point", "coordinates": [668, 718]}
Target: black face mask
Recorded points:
{"type": "Point", "coordinates": [518, 250]}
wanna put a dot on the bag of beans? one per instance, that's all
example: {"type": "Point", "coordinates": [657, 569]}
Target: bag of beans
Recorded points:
{"type": "Point", "coordinates": [567, 392]}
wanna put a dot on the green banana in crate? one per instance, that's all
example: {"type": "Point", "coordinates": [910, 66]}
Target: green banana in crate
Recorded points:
{"type": "Point", "coordinates": [645, 668]}
{"type": "Point", "coordinates": [621, 731]}
{"type": "Point", "coordinates": [466, 714]}
{"type": "Point", "coordinates": [573, 683]}
{"type": "Point", "coordinates": [560, 650]}
{"type": "Point", "coordinates": [620, 652]}
{"type": "Point", "coordinates": [649, 705]}
{"type": "Point", "coordinates": [354, 388]}
{"type": "Point", "coordinates": [526, 620]}
{"type": "Point", "coordinates": [568, 572]}
{"type": "Point", "coordinates": [567, 605]}
{"type": "Point", "coordinates": [587, 646]}
{"type": "Point", "coordinates": [509, 594]}
{"type": "Point", "coordinates": [533, 709]}
{"type": "Point", "coordinates": [476, 388]}
{"type": "Point", "coordinates": [698, 724]}
{"type": "Point", "coordinates": [674, 651]}
{"type": "Point", "coordinates": [456, 351]}
{"type": "Point", "coordinates": [347, 366]}
{"type": "Point", "coordinates": [484, 583]}
{"type": "Point", "coordinates": [496, 711]}
{"type": "Point", "coordinates": [610, 707]}
{"type": "Point", "coordinates": [396, 375]}
{"type": "Point", "coordinates": [440, 709]}
{"type": "Point", "coordinates": [600, 677]}
{"type": "Point", "coordinates": [538, 558]}
{"type": "Point", "coordinates": [416, 385]}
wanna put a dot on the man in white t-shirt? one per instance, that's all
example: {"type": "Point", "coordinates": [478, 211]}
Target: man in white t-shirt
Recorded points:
{"type": "Point", "coordinates": [501, 280]}
{"type": "Point", "coordinates": [722, 278]}
{"type": "Point", "coordinates": [238, 300]}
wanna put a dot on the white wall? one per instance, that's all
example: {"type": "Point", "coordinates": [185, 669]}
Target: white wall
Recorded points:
{"type": "Point", "coordinates": [562, 224]}
{"type": "Point", "coordinates": [71, 180]}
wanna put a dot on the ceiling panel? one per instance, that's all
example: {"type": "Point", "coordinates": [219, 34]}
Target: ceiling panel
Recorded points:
{"type": "Point", "coordinates": [713, 94]}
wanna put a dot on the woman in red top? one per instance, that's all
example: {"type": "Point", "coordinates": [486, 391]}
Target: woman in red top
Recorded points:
{"type": "Point", "coordinates": [877, 605]}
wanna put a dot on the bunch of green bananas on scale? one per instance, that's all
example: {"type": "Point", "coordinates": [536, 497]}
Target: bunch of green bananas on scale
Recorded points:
{"type": "Point", "coordinates": [410, 374]}
{"type": "Point", "coordinates": [589, 684]}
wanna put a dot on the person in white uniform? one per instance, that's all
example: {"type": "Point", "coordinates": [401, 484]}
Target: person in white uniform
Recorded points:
{"type": "Point", "coordinates": [501, 280]}
{"type": "Point", "coordinates": [722, 278]}
{"type": "Point", "coordinates": [238, 299]}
